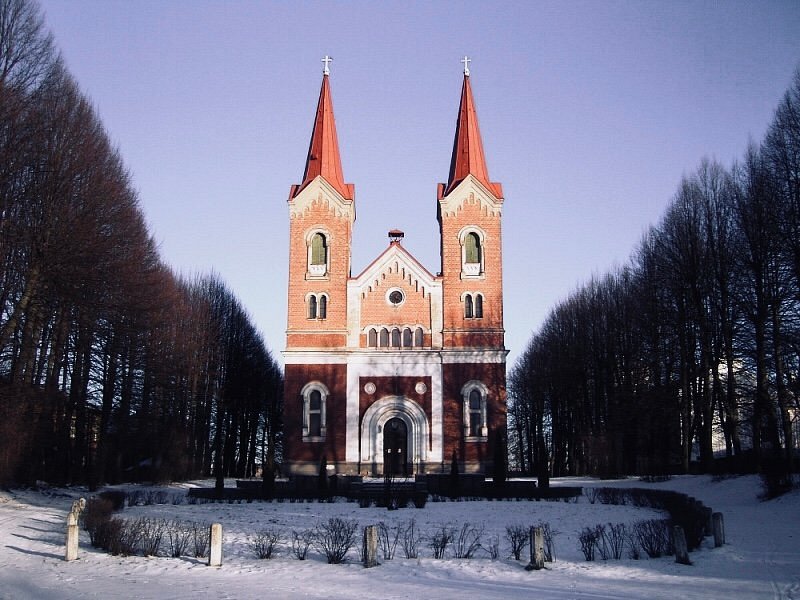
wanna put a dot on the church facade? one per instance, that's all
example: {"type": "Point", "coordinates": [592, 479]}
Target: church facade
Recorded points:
{"type": "Point", "coordinates": [395, 370]}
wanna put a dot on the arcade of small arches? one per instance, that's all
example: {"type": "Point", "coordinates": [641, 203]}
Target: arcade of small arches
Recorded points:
{"type": "Point", "coordinates": [395, 337]}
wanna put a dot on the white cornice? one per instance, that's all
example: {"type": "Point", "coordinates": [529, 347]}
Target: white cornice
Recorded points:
{"type": "Point", "coordinates": [393, 357]}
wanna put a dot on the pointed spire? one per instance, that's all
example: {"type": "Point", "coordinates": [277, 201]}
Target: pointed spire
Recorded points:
{"type": "Point", "coordinates": [468, 158]}
{"type": "Point", "coordinates": [323, 151]}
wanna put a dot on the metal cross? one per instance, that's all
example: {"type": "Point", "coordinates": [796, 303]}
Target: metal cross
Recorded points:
{"type": "Point", "coordinates": [466, 62]}
{"type": "Point", "coordinates": [326, 60]}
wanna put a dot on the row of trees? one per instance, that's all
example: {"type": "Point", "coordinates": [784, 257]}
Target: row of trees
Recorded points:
{"type": "Point", "coordinates": [111, 367]}
{"type": "Point", "coordinates": [692, 350]}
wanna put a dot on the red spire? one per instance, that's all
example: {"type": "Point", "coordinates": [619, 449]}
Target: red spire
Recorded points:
{"type": "Point", "coordinates": [468, 158]}
{"type": "Point", "coordinates": [323, 152]}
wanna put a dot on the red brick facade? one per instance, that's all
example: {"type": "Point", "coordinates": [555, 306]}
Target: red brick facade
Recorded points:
{"type": "Point", "coordinates": [395, 359]}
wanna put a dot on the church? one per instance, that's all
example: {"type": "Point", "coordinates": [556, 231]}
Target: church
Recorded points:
{"type": "Point", "coordinates": [397, 370]}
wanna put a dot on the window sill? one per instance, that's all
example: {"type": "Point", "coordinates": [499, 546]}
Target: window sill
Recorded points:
{"type": "Point", "coordinates": [313, 438]}
{"type": "Point", "coordinates": [476, 439]}
{"type": "Point", "coordinates": [473, 276]}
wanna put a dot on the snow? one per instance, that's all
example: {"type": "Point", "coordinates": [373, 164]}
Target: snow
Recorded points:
{"type": "Point", "coordinates": [761, 558]}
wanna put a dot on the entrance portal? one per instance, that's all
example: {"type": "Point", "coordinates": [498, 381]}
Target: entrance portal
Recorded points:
{"type": "Point", "coordinates": [395, 448]}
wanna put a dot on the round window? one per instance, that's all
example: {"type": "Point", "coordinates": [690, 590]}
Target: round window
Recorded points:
{"type": "Point", "coordinates": [396, 297]}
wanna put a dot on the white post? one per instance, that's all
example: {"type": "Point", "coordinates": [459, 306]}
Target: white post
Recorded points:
{"type": "Point", "coordinates": [215, 553]}
{"type": "Point", "coordinates": [73, 533]}
{"type": "Point", "coordinates": [537, 550]}
{"type": "Point", "coordinates": [370, 547]}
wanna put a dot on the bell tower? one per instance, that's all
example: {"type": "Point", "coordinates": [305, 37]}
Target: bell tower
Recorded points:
{"type": "Point", "coordinates": [321, 216]}
{"type": "Point", "coordinates": [469, 211]}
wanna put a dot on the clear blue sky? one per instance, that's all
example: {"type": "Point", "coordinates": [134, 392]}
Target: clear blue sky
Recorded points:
{"type": "Point", "coordinates": [590, 113]}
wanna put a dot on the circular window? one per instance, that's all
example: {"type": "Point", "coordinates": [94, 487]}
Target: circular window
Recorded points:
{"type": "Point", "coordinates": [369, 388]}
{"type": "Point", "coordinates": [395, 297]}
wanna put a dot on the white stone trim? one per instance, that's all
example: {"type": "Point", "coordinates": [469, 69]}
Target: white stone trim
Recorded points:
{"type": "Point", "coordinates": [406, 363]}
{"type": "Point", "coordinates": [472, 190]}
{"type": "Point", "coordinates": [376, 416]}
{"type": "Point", "coordinates": [320, 191]}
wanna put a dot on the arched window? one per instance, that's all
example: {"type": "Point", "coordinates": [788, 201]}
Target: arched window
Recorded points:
{"type": "Point", "coordinates": [315, 396]}
{"type": "Point", "coordinates": [407, 338]}
{"type": "Point", "coordinates": [312, 307]}
{"type": "Point", "coordinates": [319, 249]}
{"type": "Point", "coordinates": [395, 338]}
{"type": "Point", "coordinates": [472, 248]}
{"type": "Point", "coordinates": [384, 338]}
{"type": "Point", "coordinates": [372, 338]}
{"type": "Point", "coordinates": [474, 395]}
{"type": "Point", "coordinates": [468, 306]}
{"type": "Point", "coordinates": [315, 414]}
{"type": "Point", "coordinates": [323, 307]}
{"type": "Point", "coordinates": [419, 337]}
{"type": "Point", "coordinates": [478, 306]}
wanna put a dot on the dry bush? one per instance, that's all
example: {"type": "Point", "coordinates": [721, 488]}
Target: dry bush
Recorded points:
{"type": "Point", "coordinates": [334, 538]}
{"type": "Point", "coordinates": [412, 538]}
{"type": "Point", "coordinates": [518, 536]}
{"type": "Point", "coordinates": [440, 540]}
{"type": "Point", "coordinates": [264, 542]}
{"type": "Point", "coordinates": [389, 537]}
{"type": "Point", "coordinates": [654, 537]}
{"type": "Point", "coordinates": [151, 533]}
{"type": "Point", "coordinates": [301, 541]}
{"type": "Point", "coordinates": [467, 541]}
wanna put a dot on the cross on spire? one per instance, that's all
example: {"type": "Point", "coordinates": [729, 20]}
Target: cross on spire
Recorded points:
{"type": "Point", "coordinates": [327, 60]}
{"type": "Point", "coordinates": [466, 62]}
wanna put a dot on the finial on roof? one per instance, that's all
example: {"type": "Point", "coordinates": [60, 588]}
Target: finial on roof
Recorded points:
{"type": "Point", "coordinates": [326, 60]}
{"type": "Point", "coordinates": [395, 235]}
{"type": "Point", "coordinates": [466, 62]}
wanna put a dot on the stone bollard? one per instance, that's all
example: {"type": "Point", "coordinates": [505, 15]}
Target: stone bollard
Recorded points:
{"type": "Point", "coordinates": [370, 546]}
{"type": "Point", "coordinates": [215, 552]}
{"type": "Point", "coordinates": [679, 545]}
{"type": "Point", "coordinates": [719, 529]}
{"type": "Point", "coordinates": [708, 528]}
{"type": "Point", "coordinates": [537, 550]}
{"type": "Point", "coordinates": [73, 532]}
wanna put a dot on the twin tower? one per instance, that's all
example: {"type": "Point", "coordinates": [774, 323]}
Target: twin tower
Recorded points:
{"type": "Point", "coordinates": [397, 370]}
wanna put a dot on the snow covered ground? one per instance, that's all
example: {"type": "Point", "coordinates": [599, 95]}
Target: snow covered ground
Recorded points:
{"type": "Point", "coordinates": [760, 560]}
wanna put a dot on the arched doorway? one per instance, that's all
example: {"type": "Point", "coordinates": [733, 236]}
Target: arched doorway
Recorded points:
{"type": "Point", "coordinates": [374, 427]}
{"type": "Point", "coordinates": [395, 448]}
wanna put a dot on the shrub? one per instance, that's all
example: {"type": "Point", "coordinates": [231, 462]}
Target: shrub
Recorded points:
{"type": "Point", "coordinates": [334, 538]}
{"type": "Point", "coordinates": [115, 497]}
{"type": "Point", "coordinates": [440, 540]}
{"type": "Point", "coordinates": [653, 536]}
{"type": "Point", "coordinates": [388, 538]}
{"type": "Point", "coordinates": [301, 541]}
{"type": "Point", "coordinates": [493, 547]}
{"type": "Point", "coordinates": [180, 537]}
{"type": "Point", "coordinates": [588, 542]}
{"type": "Point", "coordinates": [467, 541]}
{"type": "Point", "coordinates": [263, 543]}
{"type": "Point", "coordinates": [201, 538]}
{"type": "Point", "coordinates": [591, 494]}
{"type": "Point", "coordinates": [95, 515]}
{"type": "Point", "coordinates": [615, 538]}
{"type": "Point", "coordinates": [517, 536]}
{"type": "Point", "coordinates": [122, 537]}
{"type": "Point", "coordinates": [411, 540]}
{"type": "Point", "coordinates": [151, 532]}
